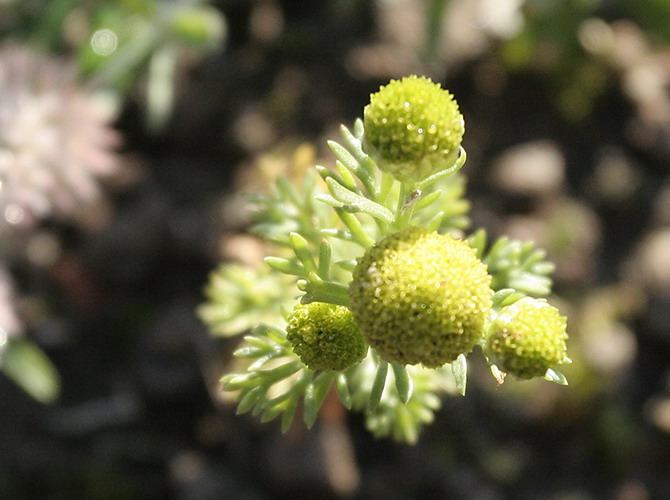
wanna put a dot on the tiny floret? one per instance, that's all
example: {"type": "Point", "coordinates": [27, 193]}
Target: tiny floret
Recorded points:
{"type": "Point", "coordinates": [527, 338]}
{"type": "Point", "coordinates": [421, 297]}
{"type": "Point", "coordinates": [413, 128]}
{"type": "Point", "coordinates": [325, 337]}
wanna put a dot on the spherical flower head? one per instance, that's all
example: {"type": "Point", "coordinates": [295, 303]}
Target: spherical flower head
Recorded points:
{"type": "Point", "coordinates": [527, 338]}
{"type": "Point", "coordinates": [55, 139]}
{"type": "Point", "coordinates": [421, 297]}
{"type": "Point", "coordinates": [413, 128]}
{"type": "Point", "coordinates": [325, 336]}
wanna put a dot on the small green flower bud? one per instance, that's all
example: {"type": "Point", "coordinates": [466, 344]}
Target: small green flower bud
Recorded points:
{"type": "Point", "coordinates": [421, 297]}
{"type": "Point", "coordinates": [325, 336]}
{"type": "Point", "coordinates": [413, 128]}
{"type": "Point", "coordinates": [527, 338]}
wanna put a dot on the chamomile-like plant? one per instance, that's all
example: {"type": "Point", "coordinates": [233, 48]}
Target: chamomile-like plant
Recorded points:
{"type": "Point", "coordinates": [389, 294]}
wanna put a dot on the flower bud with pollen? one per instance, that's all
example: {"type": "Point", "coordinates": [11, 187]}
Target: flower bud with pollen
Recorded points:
{"type": "Point", "coordinates": [527, 338]}
{"type": "Point", "coordinates": [413, 128]}
{"type": "Point", "coordinates": [421, 297]}
{"type": "Point", "coordinates": [325, 337]}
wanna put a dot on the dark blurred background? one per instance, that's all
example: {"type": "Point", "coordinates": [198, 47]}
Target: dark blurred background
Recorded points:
{"type": "Point", "coordinates": [129, 130]}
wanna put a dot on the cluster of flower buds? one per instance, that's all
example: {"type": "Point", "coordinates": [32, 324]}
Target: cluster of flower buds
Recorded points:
{"type": "Point", "coordinates": [417, 296]}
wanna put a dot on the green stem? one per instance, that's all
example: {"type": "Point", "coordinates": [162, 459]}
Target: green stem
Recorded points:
{"type": "Point", "coordinates": [354, 226]}
{"type": "Point", "coordinates": [458, 164]}
{"type": "Point", "coordinates": [318, 290]}
{"type": "Point", "coordinates": [404, 210]}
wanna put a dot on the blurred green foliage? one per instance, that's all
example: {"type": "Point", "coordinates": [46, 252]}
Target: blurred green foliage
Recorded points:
{"type": "Point", "coordinates": [120, 42]}
{"type": "Point", "coordinates": [27, 365]}
{"type": "Point", "coordinates": [652, 15]}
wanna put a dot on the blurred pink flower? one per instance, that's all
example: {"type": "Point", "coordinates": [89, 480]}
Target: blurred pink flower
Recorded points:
{"type": "Point", "coordinates": [55, 139]}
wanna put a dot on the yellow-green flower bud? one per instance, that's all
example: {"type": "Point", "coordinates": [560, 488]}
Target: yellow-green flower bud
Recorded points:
{"type": "Point", "coordinates": [421, 297]}
{"type": "Point", "coordinates": [527, 338]}
{"type": "Point", "coordinates": [325, 336]}
{"type": "Point", "coordinates": [413, 128]}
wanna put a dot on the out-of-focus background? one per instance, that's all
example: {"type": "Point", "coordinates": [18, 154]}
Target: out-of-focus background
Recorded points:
{"type": "Point", "coordinates": [129, 131]}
